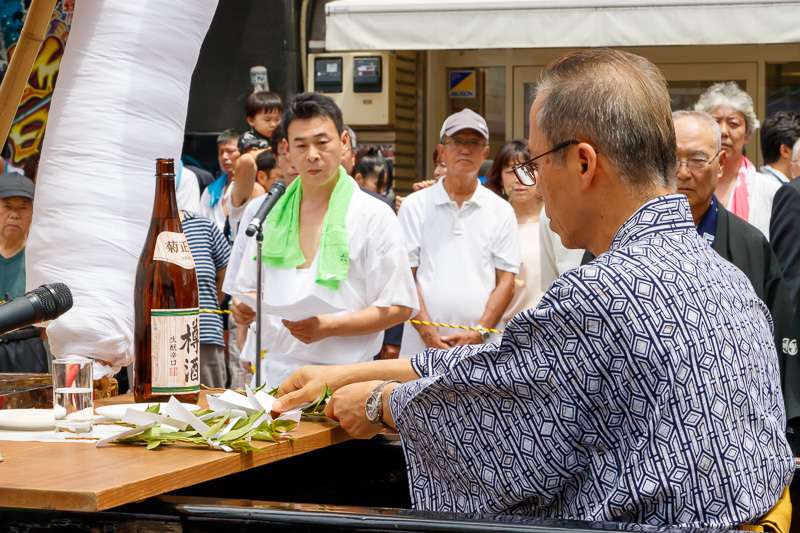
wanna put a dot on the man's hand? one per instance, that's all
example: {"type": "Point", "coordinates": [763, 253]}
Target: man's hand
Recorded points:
{"type": "Point", "coordinates": [242, 314]}
{"type": "Point", "coordinates": [348, 407]}
{"type": "Point", "coordinates": [424, 184]}
{"type": "Point", "coordinates": [308, 384]}
{"type": "Point", "coordinates": [433, 339]}
{"type": "Point", "coordinates": [463, 337]}
{"type": "Point", "coordinates": [390, 351]}
{"type": "Point", "coordinates": [311, 329]}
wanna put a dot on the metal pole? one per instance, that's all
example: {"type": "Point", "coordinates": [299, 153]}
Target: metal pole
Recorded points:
{"type": "Point", "coordinates": [259, 243]}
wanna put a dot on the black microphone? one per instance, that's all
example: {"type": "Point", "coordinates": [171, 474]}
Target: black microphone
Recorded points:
{"type": "Point", "coordinates": [275, 192]}
{"type": "Point", "coordinates": [43, 303]}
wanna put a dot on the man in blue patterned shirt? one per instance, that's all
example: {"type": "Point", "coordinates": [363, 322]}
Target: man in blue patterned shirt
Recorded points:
{"type": "Point", "coordinates": [644, 387]}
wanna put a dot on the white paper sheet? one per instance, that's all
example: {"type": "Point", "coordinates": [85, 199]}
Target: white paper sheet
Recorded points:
{"type": "Point", "coordinates": [139, 418]}
{"type": "Point", "coordinates": [176, 410]}
{"type": "Point", "coordinates": [307, 307]}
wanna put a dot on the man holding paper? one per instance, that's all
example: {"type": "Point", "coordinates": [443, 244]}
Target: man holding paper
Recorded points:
{"type": "Point", "coordinates": [335, 273]}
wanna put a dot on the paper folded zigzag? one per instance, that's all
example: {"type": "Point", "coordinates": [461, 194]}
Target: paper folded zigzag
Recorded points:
{"type": "Point", "coordinates": [235, 419]}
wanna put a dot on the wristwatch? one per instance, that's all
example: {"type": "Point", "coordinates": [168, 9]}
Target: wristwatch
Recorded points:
{"type": "Point", "coordinates": [484, 334]}
{"type": "Point", "coordinates": [374, 405]}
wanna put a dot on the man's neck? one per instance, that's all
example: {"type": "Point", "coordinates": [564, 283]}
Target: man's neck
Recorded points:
{"type": "Point", "coordinates": [782, 166]}
{"type": "Point", "coordinates": [460, 187]}
{"type": "Point", "coordinates": [10, 248]}
{"type": "Point", "coordinates": [612, 215]}
{"type": "Point", "coordinates": [318, 194]}
{"type": "Point", "coordinates": [698, 212]}
{"type": "Point", "coordinates": [731, 170]}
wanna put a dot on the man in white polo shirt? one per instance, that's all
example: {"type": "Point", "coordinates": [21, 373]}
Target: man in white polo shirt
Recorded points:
{"type": "Point", "coordinates": [462, 244]}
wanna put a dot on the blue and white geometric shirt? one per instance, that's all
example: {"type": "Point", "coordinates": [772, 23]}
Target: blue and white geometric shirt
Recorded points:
{"type": "Point", "coordinates": [643, 388]}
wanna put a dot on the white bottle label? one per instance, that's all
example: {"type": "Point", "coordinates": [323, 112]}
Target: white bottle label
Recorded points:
{"type": "Point", "coordinates": [173, 248]}
{"type": "Point", "coordinates": [175, 350]}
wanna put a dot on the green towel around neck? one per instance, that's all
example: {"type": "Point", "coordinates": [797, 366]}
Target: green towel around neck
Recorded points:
{"type": "Point", "coordinates": [281, 248]}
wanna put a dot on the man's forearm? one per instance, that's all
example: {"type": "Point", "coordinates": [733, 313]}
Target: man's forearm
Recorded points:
{"type": "Point", "coordinates": [498, 301]}
{"type": "Point", "coordinates": [368, 320]}
{"type": "Point", "coordinates": [422, 316]}
{"type": "Point", "coordinates": [245, 179]}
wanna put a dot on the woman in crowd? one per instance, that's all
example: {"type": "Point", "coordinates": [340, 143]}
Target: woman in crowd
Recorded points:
{"type": "Point", "coordinates": [741, 189]}
{"type": "Point", "coordinates": [370, 170]}
{"type": "Point", "coordinates": [528, 207]}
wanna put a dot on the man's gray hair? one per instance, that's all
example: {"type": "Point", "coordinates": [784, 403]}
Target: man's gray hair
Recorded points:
{"type": "Point", "coordinates": [729, 94]}
{"type": "Point", "coordinates": [619, 103]}
{"type": "Point", "coordinates": [703, 117]}
{"type": "Point", "coordinates": [352, 135]}
{"type": "Point", "coordinates": [796, 150]}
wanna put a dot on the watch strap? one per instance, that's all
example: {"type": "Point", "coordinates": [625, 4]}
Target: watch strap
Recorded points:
{"type": "Point", "coordinates": [376, 396]}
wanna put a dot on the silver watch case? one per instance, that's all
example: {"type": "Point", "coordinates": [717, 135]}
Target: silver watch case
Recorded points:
{"type": "Point", "coordinates": [374, 408]}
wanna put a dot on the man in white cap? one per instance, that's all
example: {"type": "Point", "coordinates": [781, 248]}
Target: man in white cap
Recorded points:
{"type": "Point", "coordinates": [462, 244]}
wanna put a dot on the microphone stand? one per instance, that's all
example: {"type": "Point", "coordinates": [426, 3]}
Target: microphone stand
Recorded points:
{"type": "Point", "coordinates": [259, 244]}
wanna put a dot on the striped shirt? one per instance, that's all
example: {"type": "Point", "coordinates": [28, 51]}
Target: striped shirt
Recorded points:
{"type": "Point", "coordinates": [211, 252]}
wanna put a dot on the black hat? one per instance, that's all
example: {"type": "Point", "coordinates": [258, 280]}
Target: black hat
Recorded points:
{"type": "Point", "coordinates": [15, 184]}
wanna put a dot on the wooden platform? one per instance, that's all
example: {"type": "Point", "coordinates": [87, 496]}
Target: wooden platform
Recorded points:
{"type": "Point", "coordinates": [77, 476]}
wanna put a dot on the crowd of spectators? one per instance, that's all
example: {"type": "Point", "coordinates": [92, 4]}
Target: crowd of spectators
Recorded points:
{"type": "Point", "coordinates": [472, 265]}
{"type": "Point", "coordinates": [461, 257]}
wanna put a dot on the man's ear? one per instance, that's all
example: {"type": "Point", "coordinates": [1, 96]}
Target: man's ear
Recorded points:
{"type": "Point", "coordinates": [261, 178]}
{"type": "Point", "coordinates": [359, 179]}
{"type": "Point", "coordinates": [586, 161]}
{"type": "Point", "coordinates": [786, 152]}
{"type": "Point", "coordinates": [345, 138]}
{"type": "Point", "coordinates": [285, 147]}
{"type": "Point", "coordinates": [723, 156]}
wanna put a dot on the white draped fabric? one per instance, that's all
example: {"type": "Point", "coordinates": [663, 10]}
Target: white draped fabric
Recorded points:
{"type": "Point", "coordinates": [120, 102]}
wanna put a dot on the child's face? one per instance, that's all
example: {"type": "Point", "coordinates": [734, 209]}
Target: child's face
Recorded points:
{"type": "Point", "coordinates": [265, 122]}
{"type": "Point", "coordinates": [371, 182]}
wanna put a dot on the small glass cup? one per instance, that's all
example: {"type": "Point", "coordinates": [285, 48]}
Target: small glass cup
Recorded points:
{"type": "Point", "coordinates": [73, 395]}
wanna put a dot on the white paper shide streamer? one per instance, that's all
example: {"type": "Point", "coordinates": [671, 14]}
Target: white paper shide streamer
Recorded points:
{"type": "Point", "coordinates": [120, 102]}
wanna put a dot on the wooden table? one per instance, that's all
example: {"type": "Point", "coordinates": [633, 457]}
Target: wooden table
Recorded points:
{"type": "Point", "coordinates": [77, 476]}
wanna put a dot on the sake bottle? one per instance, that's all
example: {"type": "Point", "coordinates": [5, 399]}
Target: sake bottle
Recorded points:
{"type": "Point", "coordinates": [166, 304]}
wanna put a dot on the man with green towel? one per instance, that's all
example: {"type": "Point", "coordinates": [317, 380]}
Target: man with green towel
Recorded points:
{"type": "Point", "coordinates": [335, 272]}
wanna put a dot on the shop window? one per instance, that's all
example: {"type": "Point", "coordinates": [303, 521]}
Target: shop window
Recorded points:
{"type": "Point", "coordinates": [783, 87]}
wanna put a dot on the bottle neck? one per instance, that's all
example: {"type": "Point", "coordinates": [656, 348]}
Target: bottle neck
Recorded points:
{"type": "Point", "coordinates": [165, 205]}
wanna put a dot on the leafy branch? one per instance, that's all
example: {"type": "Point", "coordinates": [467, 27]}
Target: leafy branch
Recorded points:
{"type": "Point", "coordinates": [315, 409]}
{"type": "Point", "coordinates": [223, 432]}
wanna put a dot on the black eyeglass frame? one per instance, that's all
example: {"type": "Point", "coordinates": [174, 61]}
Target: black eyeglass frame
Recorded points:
{"type": "Point", "coordinates": [520, 169]}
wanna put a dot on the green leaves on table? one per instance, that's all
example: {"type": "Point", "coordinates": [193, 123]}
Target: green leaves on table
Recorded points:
{"type": "Point", "coordinates": [315, 409]}
{"type": "Point", "coordinates": [257, 426]}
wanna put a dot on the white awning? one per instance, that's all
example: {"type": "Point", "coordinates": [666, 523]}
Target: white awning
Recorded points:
{"type": "Point", "coordinates": [470, 24]}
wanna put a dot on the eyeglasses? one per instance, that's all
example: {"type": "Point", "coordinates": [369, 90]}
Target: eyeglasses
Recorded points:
{"type": "Point", "coordinates": [696, 165]}
{"type": "Point", "coordinates": [527, 173]}
{"type": "Point", "coordinates": [472, 145]}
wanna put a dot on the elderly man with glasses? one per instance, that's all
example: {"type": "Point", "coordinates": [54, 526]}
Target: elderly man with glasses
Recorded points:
{"type": "Point", "coordinates": [462, 243]}
{"type": "Point", "coordinates": [644, 387]}
{"type": "Point", "coordinates": [700, 164]}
